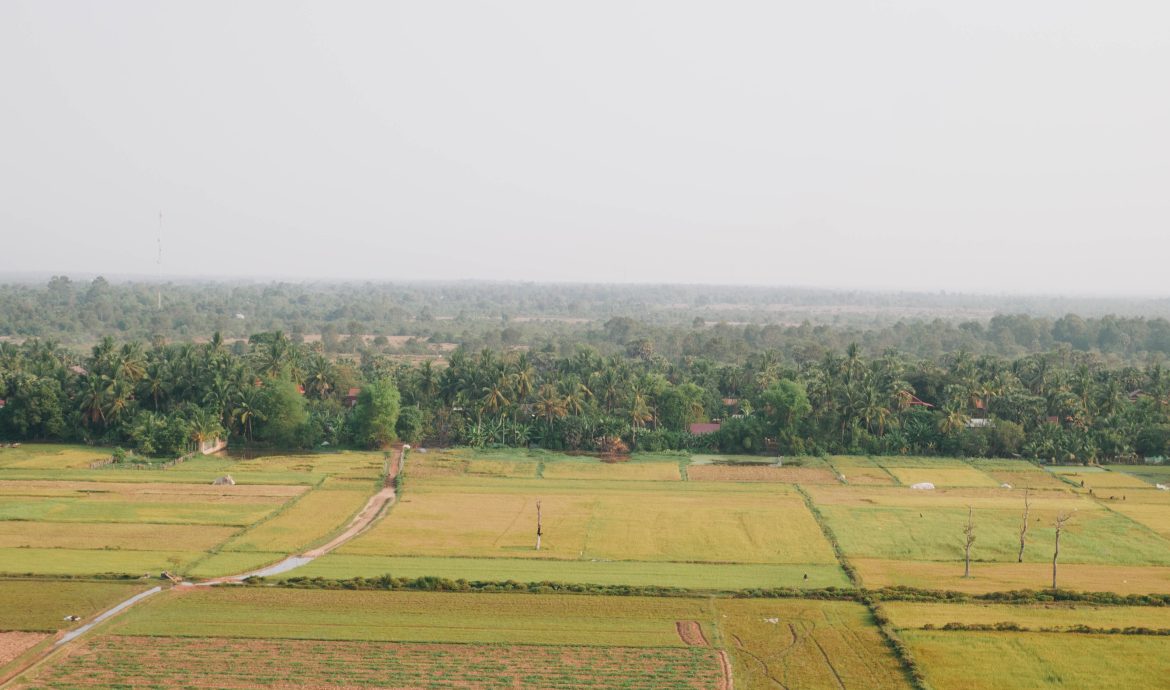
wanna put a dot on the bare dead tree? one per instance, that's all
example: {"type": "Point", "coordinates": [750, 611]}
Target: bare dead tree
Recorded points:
{"type": "Point", "coordinates": [539, 531]}
{"type": "Point", "coordinates": [1059, 524]}
{"type": "Point", "coordinates": [969, 539]}
{"type": "Point", "coordinates": [1024, 527]}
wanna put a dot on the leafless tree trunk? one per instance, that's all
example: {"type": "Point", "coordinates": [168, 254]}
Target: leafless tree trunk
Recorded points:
{"type": "Point", "coordinates": [539, 532]}
{"type": "Point", "coordinates": [1024, 527]}
{"type": "Point", "coordinates": [1060, 520]}
{"type": "Point", "coordinates": [969, 539]}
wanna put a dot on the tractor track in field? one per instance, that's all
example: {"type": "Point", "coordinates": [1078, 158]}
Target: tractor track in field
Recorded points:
{"type": "Point", "coordinates": [375, 508]}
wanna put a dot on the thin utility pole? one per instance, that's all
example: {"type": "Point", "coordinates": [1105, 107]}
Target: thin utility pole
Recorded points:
{"type": "Point", "coordinates": [539, 532]}
{"type": "Point", "coordinates": [158, 262]}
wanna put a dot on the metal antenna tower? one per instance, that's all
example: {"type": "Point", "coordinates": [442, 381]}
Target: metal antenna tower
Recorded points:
{"type": "Point", "coordinates": [158, 261]}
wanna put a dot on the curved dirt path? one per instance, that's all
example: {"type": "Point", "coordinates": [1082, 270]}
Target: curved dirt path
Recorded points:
{"type": "Point", "coordinates": [374, 508]}
{"type": "Point", "coordinates": [377, 506]}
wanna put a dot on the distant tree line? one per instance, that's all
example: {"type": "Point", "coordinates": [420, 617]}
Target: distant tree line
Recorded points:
{"type": "Point", "coordinates": [1063, 405]}
{"type": "Point", "coordinates": [726, 324]}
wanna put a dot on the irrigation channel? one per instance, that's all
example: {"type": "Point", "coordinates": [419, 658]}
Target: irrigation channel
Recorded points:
{"type": "Point", "coordinates": [375, 508]}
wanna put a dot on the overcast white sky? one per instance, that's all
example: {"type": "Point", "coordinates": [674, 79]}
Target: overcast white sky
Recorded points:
{"type": "Point", "coordinates": [1001, 145]}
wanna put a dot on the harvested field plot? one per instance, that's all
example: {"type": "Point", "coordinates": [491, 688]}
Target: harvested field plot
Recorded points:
{"type": "Point", "coordinates": [417, 616]}
{"type": "Point", "coordinates": [1109, 482]}
{"type": "Point", "coordinates": [717, 576]}
{"type": "Point", "coordinates": [652, 521]}
{"type": "Point", "coordinates": [1028, 480]}
{"type": "Point", "coordinates": [943, 476]}
{"type": "Point", "coordinates": [806, 644]}
{"type": "Point", "coordinates": [765, 473]}
{"type": "Point", "coordinates": [595, 469]}
{"type": "Point", "coordinates": [994, 660]}
{"type": "Point", "coordinates": [214, 663]}
{"type": "Point", "coordinates": [1002, 577]}
{"type": "Point", "coordinates": [867, 476]}
{"type": "Point", "coordinates": [1062, 616]}
{"type": "Point", "coordinates": [910, 461]}
{"type": "Point", "coordinates": [13, 644]}
{"type": "Point", "coordinates": [40, 605]}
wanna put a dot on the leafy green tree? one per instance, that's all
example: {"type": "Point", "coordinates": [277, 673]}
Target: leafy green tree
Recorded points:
{"type": "Point", "coordinates": [376, 414]}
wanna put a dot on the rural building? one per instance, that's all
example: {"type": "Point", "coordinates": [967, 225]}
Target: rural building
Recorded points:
{"type": "Point", "coordinates": [352, 396]}
{"type": "Point", "coordinates": [698, 429]}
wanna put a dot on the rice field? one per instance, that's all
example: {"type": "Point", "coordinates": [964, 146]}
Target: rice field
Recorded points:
{"type": "Point", "coordinates": [41, 605]}
{"type": "Point", "coordinates": [648, 521]}
{"type": "Point", "coordinates": [699, 576]}
{"type": "Point", "coordinates": [993, 660]}
{"type": "Point", "coordinates": [256, 612]}
{"type": "Point", "coordinates": [1052, 615]}
{"type": "Point", "coordinates": [161, 662]}
{"type": "Point", "coordinates": [806, 644]}
{"type": "Point", "coordinates": [1003, 577]}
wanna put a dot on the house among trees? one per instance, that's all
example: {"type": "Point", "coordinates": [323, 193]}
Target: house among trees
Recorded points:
{"type": "Point", "coordinates": [351, 397]}
{"type": "Point", "coordinates": [700, 428]}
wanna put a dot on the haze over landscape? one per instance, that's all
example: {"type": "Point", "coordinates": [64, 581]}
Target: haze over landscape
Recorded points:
{"type": "Point", "coordinates": [994, 147]}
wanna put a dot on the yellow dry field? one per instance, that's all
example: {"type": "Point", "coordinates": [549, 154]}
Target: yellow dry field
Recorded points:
{"type": "Point", "coordinates": [1051, 615]}
{"type": "Point", "coordinates": [789, 643]}
{"type": "Point", "coordinates": [649, 521]}
{"type": "Point", "coordinates": [843, 461]}
{"type": "Point", "coordinates": [905, 497]}
{"type": "Point", "coordinates": [1027, 480]}
{"type": "Point", "coordinates": [1002, 577]}
{"type": "Point", "coordinates": [943, 476]}
{"type": "Point", "coordinates": [956, 660]}
{"type": "Point", "coordinates": [1106, 482]}
{"type": "Point", "coordinates": [120, 536]}
{"type": "Point", "coordinates": [146, 491]}
{"type": "Point", "coordinates": [310, 519]}
{"type": "Point", "coordinates": [581, 469]}
{"type": "Point", "coordinates": [502, 468]}
{"type": "Point", "coordinates": [867, 476]}
{"type": "Point", "coordinates": [763, 473]}
{"type": "Point", "coordinates": [48, 457]}
{"type": "Point", "coordinates": [1148, 496]}
{"type": "Point", "coordinates": [306, 468]}
{"type": "Point", "coordinates": [1153, 515]}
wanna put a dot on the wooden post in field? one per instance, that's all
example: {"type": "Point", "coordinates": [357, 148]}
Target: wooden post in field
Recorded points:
{"type": "Point", "coordinates": [969, 539]}
{"type": "Point", "coordinates": [1024, 527]}
{"type": "Point", "coordinates": [1060, 520]}
{"type": "Point", "coordinates": [538, 529]}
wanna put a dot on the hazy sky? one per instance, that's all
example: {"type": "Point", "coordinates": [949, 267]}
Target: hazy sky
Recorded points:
{"type": "Point", "coordinates": [992, 146]}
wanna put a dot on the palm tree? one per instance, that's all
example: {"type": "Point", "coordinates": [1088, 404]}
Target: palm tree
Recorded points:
{"type": "Point", "coordinates": [640, 413]}
{"type": "Point", "coordinates": [550, 405]}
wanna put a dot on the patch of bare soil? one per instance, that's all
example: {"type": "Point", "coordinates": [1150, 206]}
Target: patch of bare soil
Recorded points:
{"type": "Point", "coordinates": [13, 644]}
{"type": "Point", "coordinates": [691, 633]}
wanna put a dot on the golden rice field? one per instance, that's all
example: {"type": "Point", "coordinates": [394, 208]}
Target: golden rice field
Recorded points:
{"type": "Point", "coordinates": [1003, 577]}
{"type": "Point", "coordinates": [652, 521]}
{"type": "Point", "coordinates": [943, 476]}
{"type": "Point", "coordinates": [594, 469]}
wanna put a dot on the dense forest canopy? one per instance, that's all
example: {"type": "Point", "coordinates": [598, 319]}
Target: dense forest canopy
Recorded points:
{"type": "Point", "coordinates": [1068, 388]}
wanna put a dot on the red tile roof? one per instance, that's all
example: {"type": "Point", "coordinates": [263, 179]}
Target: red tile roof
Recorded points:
{"type": "Point", "coordinates": [704, 428]}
